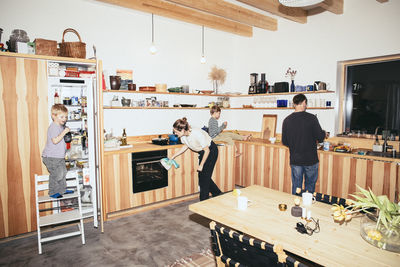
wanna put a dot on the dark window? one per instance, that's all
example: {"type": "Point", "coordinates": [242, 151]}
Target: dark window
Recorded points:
{"type": "Point", "coordinates": [373, 97]}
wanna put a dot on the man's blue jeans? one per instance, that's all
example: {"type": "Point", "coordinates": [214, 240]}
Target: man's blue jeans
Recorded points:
{"type": "Point", "coordinates": [310, 174]}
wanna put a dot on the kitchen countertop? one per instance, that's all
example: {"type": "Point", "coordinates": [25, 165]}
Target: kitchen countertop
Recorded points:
{"type": "Point", "coordinates": [148, 146]}
{"type": "Point", "coordinates": [141, 147]}
{"type": "Point", "coordinates": [259, 141]}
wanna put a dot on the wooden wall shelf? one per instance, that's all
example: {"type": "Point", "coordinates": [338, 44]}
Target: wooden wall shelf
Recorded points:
{"type": "Point", "coordinates": [66, 59]}
{"type": "Point", "coordinates": [230, 95]}
{"type": "Point", "coordinates": [208, 108]}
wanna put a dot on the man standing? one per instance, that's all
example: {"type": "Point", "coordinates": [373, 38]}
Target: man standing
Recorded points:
{"type": "Point", "coordinates": [301, 132]}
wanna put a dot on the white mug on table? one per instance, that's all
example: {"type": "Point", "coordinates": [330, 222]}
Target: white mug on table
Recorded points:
{"type": "Point", "coordinates": [308, 199]}
{"type": "Point", "coordinates": [242, 203]}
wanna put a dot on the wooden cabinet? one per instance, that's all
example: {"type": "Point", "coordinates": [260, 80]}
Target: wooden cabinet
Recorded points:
{"type": "Point", "coordinates": [23, 124]}
{"type": "Point", "coordinates": [24, 120]}
{"type": "Point", "coordinates": [338, 174]}
{"type": "Point", "coordinates": [118, 194]}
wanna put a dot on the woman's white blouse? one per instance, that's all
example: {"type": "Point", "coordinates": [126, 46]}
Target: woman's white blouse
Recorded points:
{"type": "Point", "coordinates": [197, 140]}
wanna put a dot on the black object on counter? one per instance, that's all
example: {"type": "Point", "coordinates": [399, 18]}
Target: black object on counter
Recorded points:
{"type": "Point", "coordinates": [281, 87]}
{"type": "Point", "coordinates": [160, 141]}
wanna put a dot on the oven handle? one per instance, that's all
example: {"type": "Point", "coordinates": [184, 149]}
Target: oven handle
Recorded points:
{"type": "Point", "coordinates": [147, 162]}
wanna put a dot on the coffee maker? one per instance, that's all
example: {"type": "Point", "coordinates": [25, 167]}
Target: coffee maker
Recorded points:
{"type": "Point", "coordinates": [253, 83]}
{"type": "Point", "coordinates": [262, 85]}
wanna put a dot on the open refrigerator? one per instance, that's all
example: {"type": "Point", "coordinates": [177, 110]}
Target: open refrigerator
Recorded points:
{"type": "Point", "coordinates": [79, 96]}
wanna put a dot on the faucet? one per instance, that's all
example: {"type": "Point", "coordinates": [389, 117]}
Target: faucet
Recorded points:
{"type": "Point", "coordinates": [386, 146]}
{"type": "Point", "coordinates": [376, 133]}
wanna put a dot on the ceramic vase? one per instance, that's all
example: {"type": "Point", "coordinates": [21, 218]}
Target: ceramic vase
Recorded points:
{"type": "Point", "coordinates": [292, 87]}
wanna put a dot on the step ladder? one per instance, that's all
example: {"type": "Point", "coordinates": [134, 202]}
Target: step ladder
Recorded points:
{"type": "Point", "coordinates": [41, 188]}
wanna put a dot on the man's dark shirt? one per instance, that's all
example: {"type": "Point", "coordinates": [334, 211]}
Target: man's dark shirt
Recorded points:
{"type": "Point", "coordinates": [300, 132]}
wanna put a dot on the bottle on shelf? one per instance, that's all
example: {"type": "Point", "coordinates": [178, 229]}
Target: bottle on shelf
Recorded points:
{"type": "Point", "coordinates": [124, 139]}
{"type": "Point", "coordinates": [56, 97]}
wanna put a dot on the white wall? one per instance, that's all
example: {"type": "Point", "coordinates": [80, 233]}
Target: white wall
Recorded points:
{"type": "Point", "coordinates": [123, 37]}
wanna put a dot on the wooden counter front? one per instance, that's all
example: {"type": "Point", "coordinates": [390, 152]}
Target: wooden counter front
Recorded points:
{"type": "Point", "coordinates": [118, 187]}
{"type": "Point", "coordinates": [268, 165]}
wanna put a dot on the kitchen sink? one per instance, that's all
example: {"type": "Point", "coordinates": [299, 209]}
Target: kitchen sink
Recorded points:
{"type": "Point", "coordinates": [383, 154]}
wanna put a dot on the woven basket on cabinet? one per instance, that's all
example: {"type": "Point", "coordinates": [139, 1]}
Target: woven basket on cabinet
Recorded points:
{"type": "Point", "coordinates": [72, 49]}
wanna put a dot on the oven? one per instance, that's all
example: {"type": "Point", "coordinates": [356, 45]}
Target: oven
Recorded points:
{"type": "Point", "coordinates": [147, 171]}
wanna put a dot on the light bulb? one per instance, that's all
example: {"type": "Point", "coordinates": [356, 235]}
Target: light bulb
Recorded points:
{"type": "Point", "coordinates": [153, 49]}
{"type": "Point", "coordinates": [202, 60]}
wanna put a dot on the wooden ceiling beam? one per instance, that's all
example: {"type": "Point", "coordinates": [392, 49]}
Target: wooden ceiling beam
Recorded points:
{"type": "Point", "coordinates": [273, 6]}
{"type": "Point", "coordinates": [170, 10]}
{"type": "Point", "coordinates": [334, 6]}
{"type": "Point", "coordinates": [230, 11]}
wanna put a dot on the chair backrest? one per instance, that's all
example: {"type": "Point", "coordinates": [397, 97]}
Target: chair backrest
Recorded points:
{"type": "Point", "coordinates": [42, 181]}
{"type": "Point", "coordinates": [235, 249]}
{"type": "Point", "coordinates": [328, 199]}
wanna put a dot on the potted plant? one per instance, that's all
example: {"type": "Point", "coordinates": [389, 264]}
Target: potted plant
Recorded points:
{"type": "Point", "coordinates": [381, 224]}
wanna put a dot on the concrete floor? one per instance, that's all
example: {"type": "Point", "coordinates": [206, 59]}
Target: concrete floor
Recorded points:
{"type": "Point", "coordinates": [153, 238]}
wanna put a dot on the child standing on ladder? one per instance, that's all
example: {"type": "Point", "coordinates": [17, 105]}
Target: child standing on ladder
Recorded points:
{"type": "Point", "coordinates": [53, 155]}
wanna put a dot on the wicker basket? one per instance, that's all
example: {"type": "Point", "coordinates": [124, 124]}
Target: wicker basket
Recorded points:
{"type": "Point", "coordinates": [46, 47]}
{"type": "Point", "coordinates": [72, 49]}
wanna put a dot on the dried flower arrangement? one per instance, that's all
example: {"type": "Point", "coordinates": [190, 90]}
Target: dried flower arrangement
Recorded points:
{"type": "Point", "coordinates": [291, 73]}
{"type": "Point", "coordinates": [217, 76]}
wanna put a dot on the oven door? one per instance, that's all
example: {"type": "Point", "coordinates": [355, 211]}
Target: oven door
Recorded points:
{"type": "Point", "coordinates": [147, 171]}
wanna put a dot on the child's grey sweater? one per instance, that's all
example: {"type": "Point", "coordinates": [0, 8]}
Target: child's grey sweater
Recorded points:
{"type": "Point", "coordinates": [213, 129]}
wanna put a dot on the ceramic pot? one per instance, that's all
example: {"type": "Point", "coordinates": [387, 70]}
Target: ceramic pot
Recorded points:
{"type": "Point", "coordinates": [115, 82]}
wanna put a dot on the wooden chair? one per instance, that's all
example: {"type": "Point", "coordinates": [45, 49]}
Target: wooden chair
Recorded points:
{"type": "Point", "coordinates": [57, 217]}
{"type": "Point", "coordinates": [328, 199]}
{"type": "Point", "coordinates": [234, 249]}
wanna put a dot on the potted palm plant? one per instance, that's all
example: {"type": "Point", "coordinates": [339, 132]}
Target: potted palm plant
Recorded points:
{"type": "Point", "coordinates": [380, 226]}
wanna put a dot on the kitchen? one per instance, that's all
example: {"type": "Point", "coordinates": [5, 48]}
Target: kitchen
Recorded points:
{"type": "Point", "coordinates": [123, 37]}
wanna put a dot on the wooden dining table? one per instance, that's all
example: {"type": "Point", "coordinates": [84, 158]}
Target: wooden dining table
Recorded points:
{"type": "Point", "coordinates": [335, 245]}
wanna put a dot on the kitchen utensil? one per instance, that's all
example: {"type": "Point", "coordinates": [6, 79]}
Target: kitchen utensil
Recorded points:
{"type": "Point", "coordinates": [188, 105]}
{"type": "Point", "coordinates": [175, 90]}
{"type": "Point", "coordinates": [253, 83]}
{"type": "Point", "coordinates": [281, 87]}
{"type": "Point", "coordinates": [125, 102]}
{"type": "Point", "coordinates": [147, 88]}
{"type": "Point", "coordinates": [173, 139]}
{"type": "Point", "coordinates": [206, 92]}
{"type": "Point", "coordinates": [115, 82]}
{"type": "Point", "coordinates": [319, 86]}
{"type": "Point", "coordinates": [160, 141]}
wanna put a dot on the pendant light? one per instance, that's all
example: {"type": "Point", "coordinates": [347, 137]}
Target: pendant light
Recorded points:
{"type": "Point", "coordinates": [299, 3]}
{"type": "Point", "coordinates": [153, 48]}
{"type": "Point", "coordinates": [203, 59]}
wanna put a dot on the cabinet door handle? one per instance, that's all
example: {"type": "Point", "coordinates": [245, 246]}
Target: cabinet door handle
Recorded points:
{"type": "Point", "coordinates": [147, 162]}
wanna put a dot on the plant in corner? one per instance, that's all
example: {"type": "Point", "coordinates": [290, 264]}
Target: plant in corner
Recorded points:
{"type": "Point", "coordinates": [381, 224]}
{"type": "Point", "coordinates": [217, 76]}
